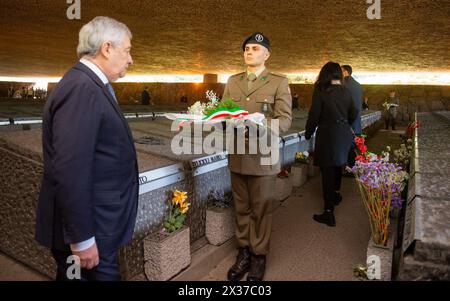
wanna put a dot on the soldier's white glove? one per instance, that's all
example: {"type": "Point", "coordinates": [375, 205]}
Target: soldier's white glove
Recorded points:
{"type": "Point", "coordinates": [254, 129]}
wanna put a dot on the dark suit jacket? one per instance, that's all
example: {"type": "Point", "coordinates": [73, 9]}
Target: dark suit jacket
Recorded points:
{"type": "Point", "coordinates": [332, 111]}
{"type": "Point", "coordinates": [90, 183]}
{"type": "Point", "coordinates": [357, 94]}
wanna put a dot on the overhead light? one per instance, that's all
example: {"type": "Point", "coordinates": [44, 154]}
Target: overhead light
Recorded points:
{"type": "Point", "coordinates": [162, 78]}
{"type": "Point", "coordinates": [364, 77]}
{"type": "Point", "coordinates": [383, 78]}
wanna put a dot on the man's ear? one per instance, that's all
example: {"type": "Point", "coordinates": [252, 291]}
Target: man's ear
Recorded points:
{"type": "Point", "coordinates": [105, 50]}
{"type": "Point", "coordinates": [267, 55]}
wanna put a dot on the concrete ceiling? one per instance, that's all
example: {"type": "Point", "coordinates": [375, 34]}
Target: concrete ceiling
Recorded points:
{"type": "Point", "coordinates": [205, 36]}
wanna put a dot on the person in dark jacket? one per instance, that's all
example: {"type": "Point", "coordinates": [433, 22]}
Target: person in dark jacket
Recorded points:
{"type": "Point", "coordinates": [357, 95]}
{"type": "Point", "coordinates": [332, 113]}
{"type": "Point", "coordinates": [145, 97]}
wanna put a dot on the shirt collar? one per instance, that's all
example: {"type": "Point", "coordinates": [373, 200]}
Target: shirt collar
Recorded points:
{"type": "Point", "coordinates": [95, 69]}
{"type": "Point", "coordinates": [258, 72]}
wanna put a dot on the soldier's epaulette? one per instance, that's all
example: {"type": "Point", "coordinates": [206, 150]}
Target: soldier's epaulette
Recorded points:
{"type": "Point", "coordinates": [240, 76]}
{"type": "Point", "coordinates": [277, 74]}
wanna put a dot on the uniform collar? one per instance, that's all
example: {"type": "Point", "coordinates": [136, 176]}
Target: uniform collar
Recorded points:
{"type": "Point", "coordinates": [95, 69]}
{"type": "Point", "coordinates": [258, 72]}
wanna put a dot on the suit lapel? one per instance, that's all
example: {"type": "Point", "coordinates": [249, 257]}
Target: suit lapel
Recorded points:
{"type": "Point", "coordinates": [112, 101]}
{"type": "Point", "coordinates": [262, 80]}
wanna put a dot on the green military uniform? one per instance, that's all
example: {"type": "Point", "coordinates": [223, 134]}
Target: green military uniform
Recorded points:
{"type": "Point", "coordinates": [253, 183]}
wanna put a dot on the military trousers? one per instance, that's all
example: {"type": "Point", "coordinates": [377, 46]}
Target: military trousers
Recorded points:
{"type": "Point", "coordinates": [390, 120]}
{"type": "Point", "coordinates": [253, 198]}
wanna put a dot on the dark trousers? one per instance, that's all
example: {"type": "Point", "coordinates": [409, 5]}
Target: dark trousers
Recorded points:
{"type": "Point", "coordinates": [390, 120]}
{"type": "Point", "coordinates": [106, 270]}
{"type": "Point", "coordinates": [331, 182]}
{"type": "Point", "coordinates": [351, 156]}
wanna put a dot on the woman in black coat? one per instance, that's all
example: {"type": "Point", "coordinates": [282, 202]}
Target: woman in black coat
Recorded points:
{"type": "Point", "coordinates": [332, 113]}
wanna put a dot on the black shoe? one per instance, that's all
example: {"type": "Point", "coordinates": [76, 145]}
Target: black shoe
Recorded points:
{"type": "Point", "coordinates": [257, 268]}
{"type": "Point", "coordinates": [327, 218]}
{"type": "Point", "coordinates": [241, 266]}
{"type": "Point", "coordinates": [337, 198]}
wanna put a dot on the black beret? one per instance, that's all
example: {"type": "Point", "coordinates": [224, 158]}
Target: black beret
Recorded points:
{"type": "Point", "coordinates": [257, 38]}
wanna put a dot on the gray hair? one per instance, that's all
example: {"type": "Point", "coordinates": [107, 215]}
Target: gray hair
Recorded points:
{"type": "Point", "coordinates": [99, 30]}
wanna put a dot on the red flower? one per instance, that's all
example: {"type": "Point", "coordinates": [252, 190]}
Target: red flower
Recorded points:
{"type": "Point", "coordinates": [360, 159]}
{"type": "Point", "coordinates": [362, 149]}
{"type": "Point", "coordinates": [378, 157]}
{"type": "Point", "coordinates": [359, 140]}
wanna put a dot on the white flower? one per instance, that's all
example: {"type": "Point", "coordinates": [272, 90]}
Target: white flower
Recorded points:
{"type": "Point", "coordinates": [306, 154]}
{"type": "Point", "coordinates": [196, 109]}
{"type": "Point", "coordinates": [212, 97]}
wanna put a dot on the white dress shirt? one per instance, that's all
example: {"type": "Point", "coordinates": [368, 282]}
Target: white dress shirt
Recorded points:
{"type": "Point", "coordinates": [84, 245]}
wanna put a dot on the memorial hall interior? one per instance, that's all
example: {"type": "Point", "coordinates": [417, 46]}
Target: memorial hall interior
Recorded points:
{"type": "Point", "coordinates": [183, 48]}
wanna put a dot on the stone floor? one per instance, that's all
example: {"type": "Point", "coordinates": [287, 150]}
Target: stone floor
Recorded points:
{"type": "Point", "coordinates": [12, 270]}
{"type": "Point", "coordinates": [302, 249]}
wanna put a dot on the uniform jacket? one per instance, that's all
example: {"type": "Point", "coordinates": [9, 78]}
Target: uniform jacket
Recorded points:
{"type": "Point", "coordinates": [270, 94]}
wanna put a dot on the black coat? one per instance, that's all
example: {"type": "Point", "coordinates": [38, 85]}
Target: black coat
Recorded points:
{"type": "Point", "coordinates": [334, 136]}
{"type": "Point", "coordinates": [90, 183]}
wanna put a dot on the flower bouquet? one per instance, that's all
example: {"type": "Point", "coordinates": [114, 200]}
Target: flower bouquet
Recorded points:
{"type": "Point", "coordinates": [388, 105]}
{"type": "Point", "coordinates": [302, 157]}
{"type": "Point", "coordinates": [411, 128]}
{"type": "Point", "coordinates": [402, 156]}
{"type": "Point", "coordinates": [380, 184]}
{"type": "Point", "coordinates": [214, 111]}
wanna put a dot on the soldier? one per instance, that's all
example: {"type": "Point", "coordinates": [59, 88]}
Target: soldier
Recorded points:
{"type": "Point", "coordinates": [256, 90]}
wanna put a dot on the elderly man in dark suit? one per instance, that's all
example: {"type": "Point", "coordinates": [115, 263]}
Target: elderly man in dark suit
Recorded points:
{"type": "Point", "coordinates": [357, 95]}
{"type": "Point", "coordinates": [88, 201]}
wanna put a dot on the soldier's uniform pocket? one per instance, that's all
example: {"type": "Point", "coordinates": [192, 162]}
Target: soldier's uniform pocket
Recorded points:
{"type": "Point", "coordinates": [235, 97]}
{"type": "Point", "coordinates": [265, 104]}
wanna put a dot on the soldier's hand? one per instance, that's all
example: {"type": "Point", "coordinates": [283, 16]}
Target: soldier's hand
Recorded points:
{"type": "Point", "coordinates": [255, 130]}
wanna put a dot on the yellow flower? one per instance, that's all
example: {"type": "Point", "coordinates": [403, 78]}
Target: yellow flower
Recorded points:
{"type": "Point", "coordinates": [184, 207]}
{"type": "Point", "coordinates": [179, 197]}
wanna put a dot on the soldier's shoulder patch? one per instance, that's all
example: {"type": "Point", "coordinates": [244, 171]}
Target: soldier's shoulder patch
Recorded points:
{"type": "Point", "coordinates": [238, 75]}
